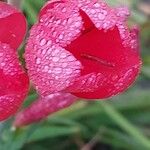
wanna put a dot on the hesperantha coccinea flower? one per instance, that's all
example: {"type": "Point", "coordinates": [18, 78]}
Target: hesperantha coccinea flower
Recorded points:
{"type": "Point", "coordinates": [84, 48]}
{"type": "Point", "coordinates": [80, 47]}
{"type": "Point", "coordinates": [14, 81]}
{"type": "Point", "coordinates": [77, 49]}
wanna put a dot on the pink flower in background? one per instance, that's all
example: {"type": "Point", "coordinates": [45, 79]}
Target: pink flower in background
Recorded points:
{"type": "Point", "coordinates": [14, 81]}
{"type": "Point", "coordinates": [80, 47]}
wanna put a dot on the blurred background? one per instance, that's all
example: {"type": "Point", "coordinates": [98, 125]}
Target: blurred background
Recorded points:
{"type": "Point", "coordinates": [122, 123]}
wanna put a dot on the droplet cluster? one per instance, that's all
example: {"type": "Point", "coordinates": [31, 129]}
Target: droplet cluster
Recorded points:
{"type": "Point", "coordinates": [64, 22]}
{"type": "Point", "coordinates": [88, 83]}
{"type": "Point", "coordinates": [120, 81]}
{"type": "Point", "coordinates": [5, 10]}
{"type": "Point", "coordinates": [105, 18]}
{"type": "Point", "coordinates": [9, 62]}
{"type": "Point", "coordinates": [51, 67]}
{"type": "Point", "coordinates": [14, 82]}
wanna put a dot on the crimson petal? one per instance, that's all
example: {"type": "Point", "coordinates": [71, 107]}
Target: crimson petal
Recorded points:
{"type": "Point", "coordinates": [50, 67]}
{"type": "Point", "coordinates": [108, 51]}
{"type": "Point", "coordinates": [14, 82]}
{"type": "Point", "coordinates": [12, 25]}
{"type": "Point", "coordinates": [112, 66]}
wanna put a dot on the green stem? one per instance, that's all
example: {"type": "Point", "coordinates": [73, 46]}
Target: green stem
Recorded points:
{"type": "Point", "coordinates": [31, 12]}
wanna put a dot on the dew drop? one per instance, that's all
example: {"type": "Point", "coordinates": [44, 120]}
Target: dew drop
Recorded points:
{"type": "Point", "coordinates": [77, 24]}
{"type": "Point", "coordinates": [64, 65]}
{"type": "Point", "coordinates": [49, 42]}
{"type": "Point", "coordinates": [58, 70]}
{"type": "Point", "coordinates": [63, 55]}
{"type": "Point", "coordinates": [2, 64]}
{"type": "Point", "coordinates": [42, 42]}
{"type": "Point", "coordinates": [114, 77]}
{"type": "Point", "coordinates": [104, 12]}
{"type": "Point", "coordinates": [46, 68]}
{"type": "Point", "coordinates": [55, 59]}
{"type": "Point", "coordinates": [68, 71]}
{"type": "Point", "coordinates": [97, 5]}
{"type": "Point", "coordinates": [92, 11]}
{"type": "Point", "coordinates": [1, 54]}
{"type": "Point", "coordinates": [64, 10]}
{"type": "Point", "coordinates": [101, 16]}
{"type": "Point", "coordinates": [60, 36]}
{"type": "Point", "coordinates": [38, 61]}
{"type": "Point", "coordinates": [55, 52]}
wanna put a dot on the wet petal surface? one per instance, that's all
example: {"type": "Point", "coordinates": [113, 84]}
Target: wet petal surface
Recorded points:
{"type": "Point", "coordinates": [14, 82]}
{"type": "Point", "coordinates": [108, 67]}
{"type": "Point", "coordinates": [50, 67]}
{"type": "Point", "coordinates": [12, 31]}
{"type": "Point", "coordinates": [43, 107]}
{"type": "Point", "coordinates": [96, 38]}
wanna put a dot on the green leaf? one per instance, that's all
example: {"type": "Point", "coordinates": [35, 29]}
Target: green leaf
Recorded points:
{"type": "Point", "coordinates": [52, 132]}
{"type": "Point", "coordinates": [126, 125]}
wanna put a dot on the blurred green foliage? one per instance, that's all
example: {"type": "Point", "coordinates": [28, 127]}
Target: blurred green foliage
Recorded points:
{"type": "Point", "coordinates": [122, 123]}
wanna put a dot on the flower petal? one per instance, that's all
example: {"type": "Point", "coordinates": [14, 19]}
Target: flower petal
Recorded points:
{"type": "Point", "coordinates": [50, 67]}
{"type": "Point", "coordinates": [103, 16]}
{"type": "Point", "coordinates": [12, 25]}
{"type": "Point", "coordinates": [108, 66]}
{"type": "Point", "coordinates": [14, 82]}
{"type": "Point", "coordinates": [43, 107]}
{"type": "Point", "coordinates": [64, 22]}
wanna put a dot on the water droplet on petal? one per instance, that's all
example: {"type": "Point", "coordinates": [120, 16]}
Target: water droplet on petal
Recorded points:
{"type": "Point", "coordinates": [43, 42]}
{"type": "Point", "coordinates": [38, 61]}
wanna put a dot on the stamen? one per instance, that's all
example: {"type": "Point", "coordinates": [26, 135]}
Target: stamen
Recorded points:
{"type": "Point", "coordinates": [99, 60]}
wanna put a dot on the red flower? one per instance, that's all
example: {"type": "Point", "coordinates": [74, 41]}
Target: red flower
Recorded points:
{"type": "Point", "coordinates": [81, 47]}
{"type": "Point", "coordinates": [84, 48]}
{"type": "Point", "coordinates": [14, 81]}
